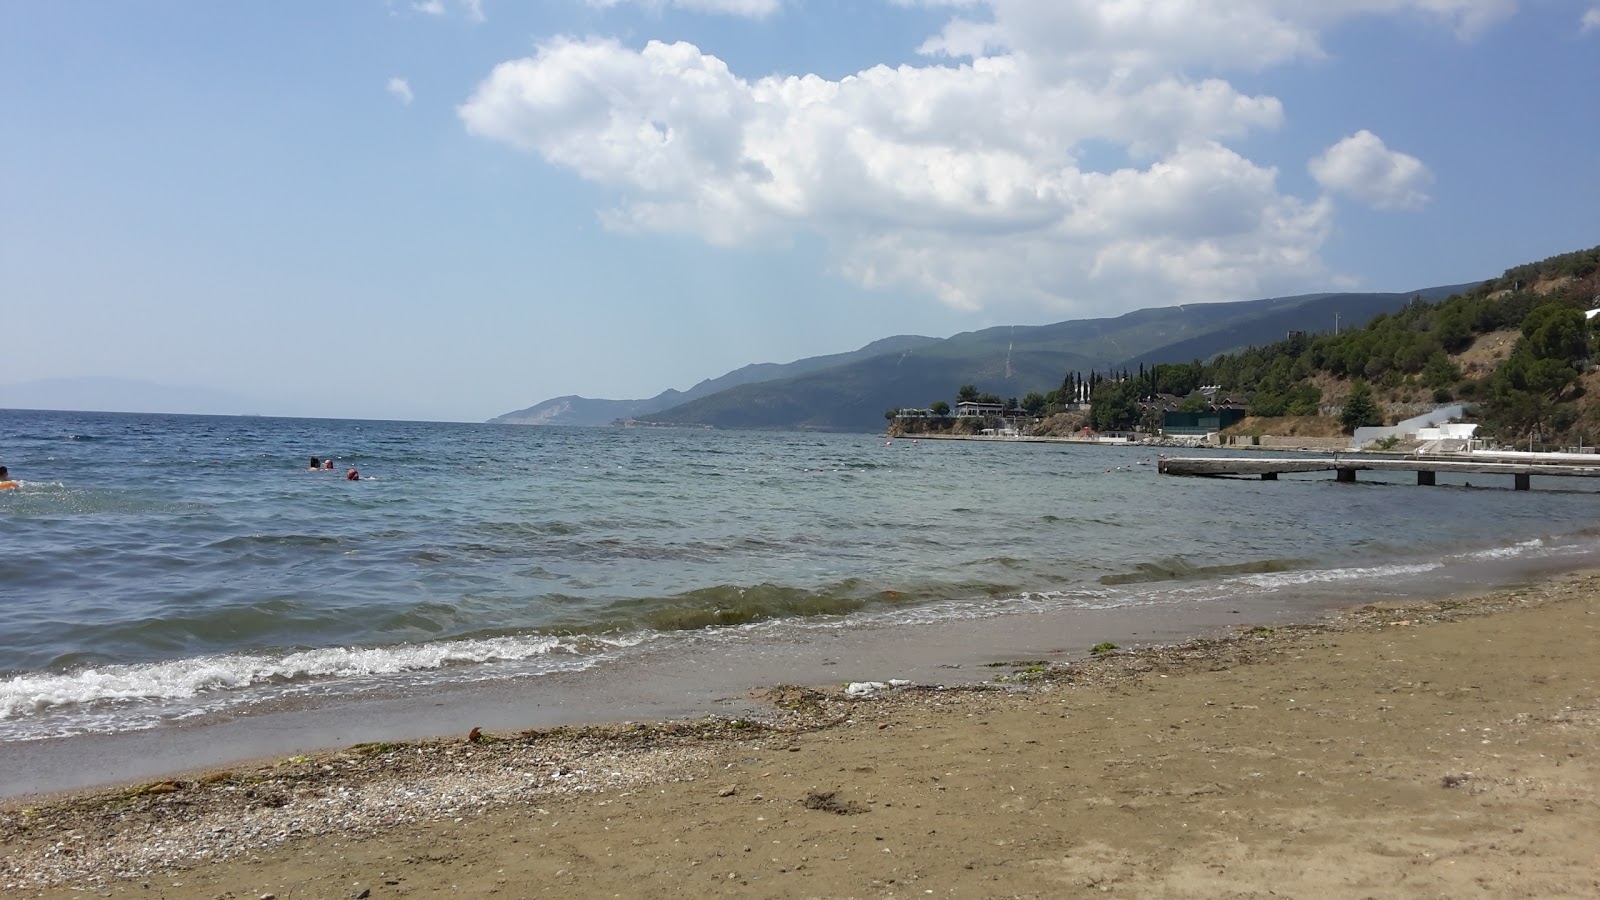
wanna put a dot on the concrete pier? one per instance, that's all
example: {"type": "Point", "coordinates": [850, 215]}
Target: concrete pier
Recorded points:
{"type": "Point", "coordinates": [1521, 468]}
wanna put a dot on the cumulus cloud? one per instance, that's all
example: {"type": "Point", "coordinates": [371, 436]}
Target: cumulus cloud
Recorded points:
{"type": "Point", "coordinates": [1059, 154]}
{"type": "Point", "coordinates": [754, 9]}
{"type": "Point", "coordinates": [1591, 21]}
{"type": "Point", "coordinates": [1362, 166]}
{"type": "Point", "coordinates": [957, 180]}
{"type": "Point", "coordinates": [401, 89]}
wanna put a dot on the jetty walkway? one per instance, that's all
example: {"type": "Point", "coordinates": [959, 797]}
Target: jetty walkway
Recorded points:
{"type": "Point", "coordinates": [1520, 466]}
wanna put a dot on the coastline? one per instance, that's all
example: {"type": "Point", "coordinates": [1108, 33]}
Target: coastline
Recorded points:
{"type": "Point", "coordinates": [1026, 439]}
{"type": "Point", "coordinates": [1425, 748]}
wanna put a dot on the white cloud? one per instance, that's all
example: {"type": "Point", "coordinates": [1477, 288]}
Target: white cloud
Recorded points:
{"type": "Point", "coordinates": [401, 89]}
{"type": "Point", "coordinates": [959, 180]}
{"type": "Point", "coordinates": [472, 9]}
{"type": "Point", "coordinates": [1131, 36]}
{"type": "Point", "coordinates": [1066, 154]}
{"type": "Point", "coordinates": [1362, 166]}
{"type": "Point", "coordinates": [1591, 20]}
{"type": "Point", "coordinates": [754, 9]}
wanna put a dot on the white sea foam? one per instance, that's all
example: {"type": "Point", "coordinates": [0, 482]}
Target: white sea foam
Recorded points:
{"type": "Point", "coordinates": [1349, 573]}
{"type": "Point", "coordinates": [183, 679]}
{"type": "Point", "coordinates": [1534, 547]}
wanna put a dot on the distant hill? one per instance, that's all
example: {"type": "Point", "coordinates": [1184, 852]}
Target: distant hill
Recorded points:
{"type": "Point", "coordinates": [850, 391]}
{"type": "Point", "coordinates": [1353, 311]}
{"type": "Point", "coordinates": [1013, 360]}
{"type": "Point", "coordinates": [574, 410]}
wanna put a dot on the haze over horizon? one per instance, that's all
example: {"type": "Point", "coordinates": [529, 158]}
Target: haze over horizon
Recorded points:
{"type": "Point", "coordinates": [450, 209]}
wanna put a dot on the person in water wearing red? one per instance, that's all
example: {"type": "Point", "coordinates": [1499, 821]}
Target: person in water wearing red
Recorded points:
{"type": "Point", "coordinates": [328, 465]}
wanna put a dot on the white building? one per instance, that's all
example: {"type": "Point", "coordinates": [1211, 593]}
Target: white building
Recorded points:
{"type": "Point", "coordinates": [968, 408]}
{"type": "Point", "coordinates": [1449, 431]}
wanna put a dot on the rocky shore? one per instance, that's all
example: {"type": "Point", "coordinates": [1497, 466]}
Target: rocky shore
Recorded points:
{"type": "Point", "coordinates": [1438, 749]}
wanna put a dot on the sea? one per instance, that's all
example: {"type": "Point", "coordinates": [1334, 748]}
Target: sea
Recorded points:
{"type": "Point", "coordinates": [187, 580]}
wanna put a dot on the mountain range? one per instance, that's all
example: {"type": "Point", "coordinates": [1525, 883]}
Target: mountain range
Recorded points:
{"type": "Point", "coordinates": [851, 391]}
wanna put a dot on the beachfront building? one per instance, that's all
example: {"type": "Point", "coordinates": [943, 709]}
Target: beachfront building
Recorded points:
{"type": "Point", "coordinates": [1198, 424]}
{"type": "Point", "coordinates": [972, 408]}
{"type": "Point", "coordinates": [1448, 437]}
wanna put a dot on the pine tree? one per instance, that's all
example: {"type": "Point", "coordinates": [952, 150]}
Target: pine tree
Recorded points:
{"type": "Point", "coordinates": [1359, 409]}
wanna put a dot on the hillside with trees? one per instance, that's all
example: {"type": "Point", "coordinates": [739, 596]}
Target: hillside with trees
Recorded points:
{"type": "Point", "coordinates": [1518, 349]}
{"type": "Point", "coordinates": [1014, 361]}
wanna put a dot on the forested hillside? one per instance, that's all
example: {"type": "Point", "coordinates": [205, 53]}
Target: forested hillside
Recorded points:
{"type": "Point", "coordinates": [1519, 350]}
{"type": "Point", "coordinates": [1536, 379]}
{"type": "Point", "coordinates": [1014, 360]}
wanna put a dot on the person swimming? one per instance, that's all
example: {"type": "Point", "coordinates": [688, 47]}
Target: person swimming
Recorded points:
{"type": "Point", "coordinates": [6, 484]}
{"type": "Point", "coordinates": [316, 464]}
{"type": "Point", "coordinates": [327, 465]}
{"type": "Point", "coordinates": [352, 475]}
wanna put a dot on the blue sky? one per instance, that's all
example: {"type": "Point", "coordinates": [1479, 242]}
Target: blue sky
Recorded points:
{"type": "Point", "coordinates": [449, 209]}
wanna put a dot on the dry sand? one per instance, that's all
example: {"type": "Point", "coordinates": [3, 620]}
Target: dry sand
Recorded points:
{"type": "Point", "coordinates": [1444, 750]}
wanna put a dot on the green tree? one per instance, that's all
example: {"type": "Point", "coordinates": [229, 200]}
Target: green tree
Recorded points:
{"type": "Point", "coordinates": [1114, 406]}
{"type": "Point", "coordinates": [939, 408]}
{"type": "Point", "coordinates": [1440, 371]}
{"type": "Point", "coordinates": [1556, 332]}
{"type": "Point", "coordinates": [1454, 329]}
{"type": "Point", "coordinates": [1529, 391]}
{"type": "Point", "coordinates": [1196, 402]}
{"type": "Point", "coordinates": [967, 393]}
{"type": "Point", "coordinates": [1268, 404]}
{"type": "Point", "coordinates": [1360, 411]}
{"type": "Point", "coordinates": [1303, 400]}
{"type": "Point", "coordinates": [1034, 403]}
{"type": "Point", "coordinates": [1150, 420]}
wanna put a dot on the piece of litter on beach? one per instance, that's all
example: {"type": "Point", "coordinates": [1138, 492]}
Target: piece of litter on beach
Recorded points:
{"type": "Point", "coordinates": [868, 688]}
{"type": "Point", "coordinates": [863, 688]}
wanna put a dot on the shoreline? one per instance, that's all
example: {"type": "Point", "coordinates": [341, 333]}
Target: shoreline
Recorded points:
{"type": "Point", "coordinates": [1152, 737]}
{"type": "Point", "coordinates": [1024, 439]}
{"type": "Point", "coordinates": [703, 673]}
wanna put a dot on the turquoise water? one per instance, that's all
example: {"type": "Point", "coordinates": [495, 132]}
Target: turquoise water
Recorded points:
{"type": "Point", "coordinates": [157, 568]}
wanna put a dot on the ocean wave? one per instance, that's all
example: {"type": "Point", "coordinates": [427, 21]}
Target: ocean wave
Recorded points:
{"type": "Point", "coordinates": [1533, 547]}
{"type": "Point", "coordinates": [1348, 573]}
{"type": "Point", "coordinates": [1178, 570]}
{"type": "Point", "coordinates": [182, 679]}
{"type": "Point", "coordinates": [247, 541]}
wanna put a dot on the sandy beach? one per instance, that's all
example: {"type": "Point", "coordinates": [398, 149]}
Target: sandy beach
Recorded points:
{"type": "Point", "coordinates": [1446, 749]}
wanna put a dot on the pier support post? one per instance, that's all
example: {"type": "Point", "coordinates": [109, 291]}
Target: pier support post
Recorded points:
{"type": "Point", "coordinates": [1425, 479]}
{"type": "Point", "coordinates": [1521, 481]}
{"type": "Point", "coordinates": [1346, 476]}
{"type": "Point", "coordinates": [1269, 476]}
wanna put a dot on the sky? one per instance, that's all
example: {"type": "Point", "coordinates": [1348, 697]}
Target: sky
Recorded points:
{"type": "Point", "coordinates": [451, 209]}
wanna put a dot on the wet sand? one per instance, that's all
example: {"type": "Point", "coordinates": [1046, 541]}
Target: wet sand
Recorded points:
{"type": "Point", "coordinates": [1447, 748]}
